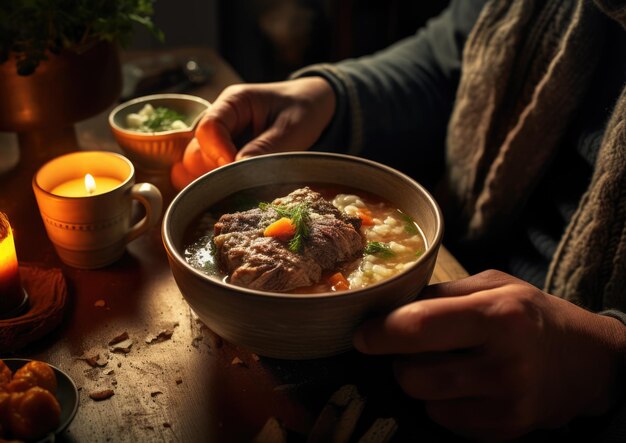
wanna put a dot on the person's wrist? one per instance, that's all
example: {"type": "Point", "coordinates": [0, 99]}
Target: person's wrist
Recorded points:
{"type": "Point", "coordinates": [600, 348]}
{"type": "Point", "coordinates": [322, 93]}
{"type": "Point", "coordinates": [615, 333]}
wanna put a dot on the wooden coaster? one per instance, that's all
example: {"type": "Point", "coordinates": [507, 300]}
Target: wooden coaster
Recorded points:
{"type": "Point", "coordinates": [47, 292]}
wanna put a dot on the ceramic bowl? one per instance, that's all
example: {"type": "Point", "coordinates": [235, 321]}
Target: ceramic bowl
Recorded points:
{"type": "Point", "coordinates": [66, 394]}
{"type": "Point", "coordinates": [297, 326]}
{"type": "Point", "coordinates": [156, 151]}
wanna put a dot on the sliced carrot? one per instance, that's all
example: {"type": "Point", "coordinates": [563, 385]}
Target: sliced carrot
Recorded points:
{"type": "Point", "coordinates": [366, 216]}
{"type": "Point", "coordinates": [283, 229]}
{"type": "Point", "coordinates": [338, 282]}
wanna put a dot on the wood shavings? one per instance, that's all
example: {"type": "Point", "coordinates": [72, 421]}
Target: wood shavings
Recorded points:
{"type": "Point", "coordinates": [95, 360]}
{"type": "Point", "coordinates": [165, 334]}
{"type": "Point", "coordinates": [160, 337]}
{"type": "Point", "coordinates": [115, 340]}
{"type": "Point", "coordinates": [237, 362]}
{"type": "Point", "coordinates": [100, 304]}
{"type": "Point", "coordinates": [273, 431]}
{"type": "Point", "coordinates": [101, 395]}
{"type": "Point", "coordinates": [382, 431]}
{"type": "Point", "coordinates": [339, 416]}
{"type": "Point", "coordinates": [122, 347]}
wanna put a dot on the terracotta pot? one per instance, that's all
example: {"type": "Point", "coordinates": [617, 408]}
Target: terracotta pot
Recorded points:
{"type": "Point", "coordinates": [64, 89]}
{"type": "Point", "coordinates": [43, 107]}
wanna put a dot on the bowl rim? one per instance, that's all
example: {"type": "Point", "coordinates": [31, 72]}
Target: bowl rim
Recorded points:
{"type": "Point", "coordinates": [174, 253]}
{"type": "Point", "coordinates": [145, 98]}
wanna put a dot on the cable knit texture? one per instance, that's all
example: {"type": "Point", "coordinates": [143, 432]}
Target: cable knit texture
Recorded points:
{"type": "Point", "coordinates": [526, 67]}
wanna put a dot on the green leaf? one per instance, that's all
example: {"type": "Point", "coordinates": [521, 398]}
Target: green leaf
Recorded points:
{"type": "Point", "coordinates": [379, 249]}
{"type": "Point", "coordinates": [409, 224]}
{"type": "Point", "coordinates": [161, 120]}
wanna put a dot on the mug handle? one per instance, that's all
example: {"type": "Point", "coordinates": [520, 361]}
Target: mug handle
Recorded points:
{"type": "Point", "coordinates": [150, 197]}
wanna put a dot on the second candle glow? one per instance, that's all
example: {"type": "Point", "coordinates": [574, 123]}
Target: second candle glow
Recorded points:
{"type": "Point", "coordinates": [86, 186]}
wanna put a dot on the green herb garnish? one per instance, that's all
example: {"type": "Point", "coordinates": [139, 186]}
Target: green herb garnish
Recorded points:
{"type": "Point", "coordinates": [379, 249]}
{"type": "Point", "coordinates": [299, 215]}
{"type": "Point", "coordinates": [161, 120]}
{"type": "Point", "coordinates": [409, 224]}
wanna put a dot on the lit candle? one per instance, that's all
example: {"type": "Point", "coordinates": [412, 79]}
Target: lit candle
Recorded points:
{"type": "Point", "coordinates": [87, 186]}
{"type": "Point", "coordinates": [11, 293]}
{"type": "Point", "coordinates": [86, 201]}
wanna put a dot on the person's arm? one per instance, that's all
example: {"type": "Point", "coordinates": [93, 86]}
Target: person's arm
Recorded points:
{"type": "Point", "coordinates": [396, 100]}
{"type": "Point", "coordinates": [394, 105]}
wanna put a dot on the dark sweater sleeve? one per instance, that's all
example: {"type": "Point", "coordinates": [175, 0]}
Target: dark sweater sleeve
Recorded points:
{"type": "Point", "coordinates": [394, 105]}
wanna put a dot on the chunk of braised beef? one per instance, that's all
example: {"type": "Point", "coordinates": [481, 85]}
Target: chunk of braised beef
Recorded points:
{"type": "Point", "coordinates": [267, 263]}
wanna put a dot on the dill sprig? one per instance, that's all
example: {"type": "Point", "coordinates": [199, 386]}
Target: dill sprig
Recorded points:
{"type": "Point", "coordinates": [299, 215]}
{"type": "Point", "coordinates": [379, 249]}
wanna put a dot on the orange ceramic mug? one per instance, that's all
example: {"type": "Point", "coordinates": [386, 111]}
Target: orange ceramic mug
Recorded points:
{"type": "Point", "coordinates": [85, 200]}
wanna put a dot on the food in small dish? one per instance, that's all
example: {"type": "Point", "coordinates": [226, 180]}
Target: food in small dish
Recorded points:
{"type": "Point", "coordinates": [159, 119]}
{"type": "Point", "coordinates": [150, 130]}
{"type": "Point", "coordinates": [29, 408]}
{"type": "Point", "coordinates": [34, 373]}
{"type": "Point", "coordinates": [317, 238]}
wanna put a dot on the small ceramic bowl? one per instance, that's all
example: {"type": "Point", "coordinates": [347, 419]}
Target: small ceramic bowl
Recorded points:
{"type": "Point", "coordinates": [297, 326]}
{"type": "Point", "coordinates": [157, 151]}
{"type": "Point", "coordinates": [67, 396]}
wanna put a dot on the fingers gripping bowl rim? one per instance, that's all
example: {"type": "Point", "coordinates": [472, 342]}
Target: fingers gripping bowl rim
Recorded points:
{"type": "Point", "coordinates": [297, 326]}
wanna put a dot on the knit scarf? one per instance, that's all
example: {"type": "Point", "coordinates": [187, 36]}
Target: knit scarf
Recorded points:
{"type": "Point", "coordinates": [526, 67]}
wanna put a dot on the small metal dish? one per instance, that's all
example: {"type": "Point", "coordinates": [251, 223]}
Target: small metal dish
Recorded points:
{"type": "Point", "coordinates": [157, 151]}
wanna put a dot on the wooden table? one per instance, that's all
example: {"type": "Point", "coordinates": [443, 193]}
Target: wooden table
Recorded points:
{"type": "Point", "coordinates": [192, 387]}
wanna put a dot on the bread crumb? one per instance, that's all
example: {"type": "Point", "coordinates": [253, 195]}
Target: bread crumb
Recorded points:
{"type": "Point", "coordinates": [123, 336]}
{"type": "Point", "coordinates": [101, 395]}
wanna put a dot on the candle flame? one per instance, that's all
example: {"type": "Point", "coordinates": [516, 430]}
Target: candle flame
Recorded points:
{"type": "Point", "coordinates": [8, 259]}
{"type": "Point", "coordinates": [90, 184]}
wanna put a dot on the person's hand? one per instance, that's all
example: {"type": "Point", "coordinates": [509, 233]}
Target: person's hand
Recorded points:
{"type": "Point", "coordinates": [282, 116]}
{"type": "Point", "coordinates": [494, 357]}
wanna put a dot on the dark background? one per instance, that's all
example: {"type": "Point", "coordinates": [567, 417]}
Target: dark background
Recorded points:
{"type": "Point", "coordinates": [265, 40]}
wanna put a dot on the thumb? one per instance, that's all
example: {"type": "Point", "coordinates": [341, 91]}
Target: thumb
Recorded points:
{"type": "Point", "coordinates": [482, 281]}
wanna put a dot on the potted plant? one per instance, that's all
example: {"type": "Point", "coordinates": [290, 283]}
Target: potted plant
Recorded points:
{"type": "Point", "coordinates": [59, 62]}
